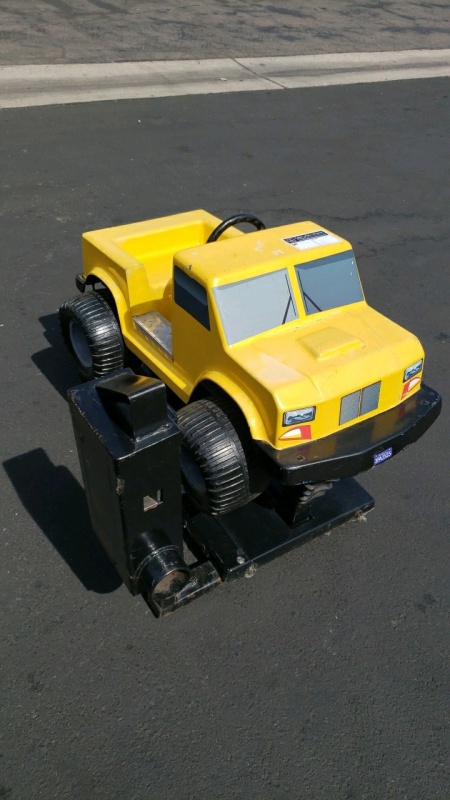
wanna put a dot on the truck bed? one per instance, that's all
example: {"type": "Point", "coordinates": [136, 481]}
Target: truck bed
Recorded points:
{"type": "Point", "coordinates": [141, 254]}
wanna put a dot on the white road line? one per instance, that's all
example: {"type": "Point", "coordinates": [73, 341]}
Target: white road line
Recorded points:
{"type": "Point", "coordinates": [51, 84]}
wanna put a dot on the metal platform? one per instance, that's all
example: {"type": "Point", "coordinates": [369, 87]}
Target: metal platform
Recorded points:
{"type": "Point", "coordinates": [238, 543]}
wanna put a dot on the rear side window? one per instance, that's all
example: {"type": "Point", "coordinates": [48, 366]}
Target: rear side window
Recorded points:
{"type": "Point", "coordinates": [191, 295]}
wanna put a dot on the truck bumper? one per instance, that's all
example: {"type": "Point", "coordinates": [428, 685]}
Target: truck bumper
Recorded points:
{"type": "Point", "coordinates": [358, 448]}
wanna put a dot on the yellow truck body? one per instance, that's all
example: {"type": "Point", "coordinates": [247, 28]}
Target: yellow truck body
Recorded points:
{"type": "Point", "coordinates": [347, 362]}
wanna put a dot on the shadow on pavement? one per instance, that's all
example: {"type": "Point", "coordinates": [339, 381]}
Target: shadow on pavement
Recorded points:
{"type": "Point", "coordinates": [56, 501]}
{"type": "Point", "coordinates": [54, 362]}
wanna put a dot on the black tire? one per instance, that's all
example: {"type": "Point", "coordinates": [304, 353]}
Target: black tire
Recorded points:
{"type": "Point", "coordinates": [92, 335]}
{"type": "Point", "coordinates": [218, 461]}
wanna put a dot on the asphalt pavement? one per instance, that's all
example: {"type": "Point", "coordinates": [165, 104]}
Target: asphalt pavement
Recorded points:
{"type": "Point", "coordinates": [326, 674]}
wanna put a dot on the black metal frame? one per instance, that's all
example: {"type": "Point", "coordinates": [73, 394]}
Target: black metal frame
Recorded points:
{"type": "Point", "coordinates": [128, 445]}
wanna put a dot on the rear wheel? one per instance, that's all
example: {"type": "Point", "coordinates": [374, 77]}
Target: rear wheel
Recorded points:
{"type": "Point", "coordinates": [218, 459]}
{"type": "Point", "coordinates": [92, 334]}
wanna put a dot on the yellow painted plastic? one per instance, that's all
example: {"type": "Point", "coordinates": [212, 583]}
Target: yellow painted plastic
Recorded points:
{"type": "Point", "coordinates": [313, 360]}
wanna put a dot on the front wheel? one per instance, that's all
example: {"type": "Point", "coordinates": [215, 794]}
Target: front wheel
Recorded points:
{"type": "Point", "coordinates": [92, 335]}
{"type": "Point", "coordinates": [218, 462]}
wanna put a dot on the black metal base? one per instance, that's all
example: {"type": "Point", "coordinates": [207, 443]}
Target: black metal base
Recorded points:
{"type": "Point", "coordinates": [237, 543]}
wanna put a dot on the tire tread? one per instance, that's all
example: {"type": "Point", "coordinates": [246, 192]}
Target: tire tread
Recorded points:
{"type": "Point", "coordinates": [213, 442]}
{"type": "Point", "coordinates": [101, 329]}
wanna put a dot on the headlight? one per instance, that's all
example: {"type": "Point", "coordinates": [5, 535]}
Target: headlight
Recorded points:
{"type": "Point", "coordinates": [299, 416]}
{"type": "Point", "coordinates": [414, 369]}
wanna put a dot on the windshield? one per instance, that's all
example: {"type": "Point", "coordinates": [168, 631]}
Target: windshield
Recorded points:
{"type": "Point", "coordinates": [329, 282]}
{"type": "Point", "coordinates": [255, 305]}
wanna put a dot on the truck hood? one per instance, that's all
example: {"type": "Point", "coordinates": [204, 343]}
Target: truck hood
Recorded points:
{"type": "Point", "coordinates": [328, 357]}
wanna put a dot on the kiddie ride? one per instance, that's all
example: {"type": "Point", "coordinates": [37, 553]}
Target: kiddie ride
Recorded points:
{"type": "Point", "coordinates": [266, 384]}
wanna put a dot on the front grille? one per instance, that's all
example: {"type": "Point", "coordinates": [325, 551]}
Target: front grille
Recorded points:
{"type": "Point", "coordinates": [350, 407]}
{"type": "Point", "coordinates": [369, 398]}
{"type": "Point", "coordinates": [359, 403]}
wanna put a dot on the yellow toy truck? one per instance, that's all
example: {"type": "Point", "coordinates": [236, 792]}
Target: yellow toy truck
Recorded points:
{"type": "Point", "coordinates": [278, 366]}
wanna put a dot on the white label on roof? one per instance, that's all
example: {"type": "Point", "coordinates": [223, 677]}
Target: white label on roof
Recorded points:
{"type": "Point", "coordinates": [305, 241]}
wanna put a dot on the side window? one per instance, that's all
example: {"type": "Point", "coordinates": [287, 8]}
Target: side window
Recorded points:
{"type": "Point", "coordinates": [191, 296]}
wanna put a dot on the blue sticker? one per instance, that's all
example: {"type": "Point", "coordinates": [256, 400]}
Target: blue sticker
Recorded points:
{"type": "Point", "coordinates": [380, 457]}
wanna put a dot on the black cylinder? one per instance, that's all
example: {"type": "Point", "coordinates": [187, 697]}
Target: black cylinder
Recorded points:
{"type": "Point", "coordinates": [159, 564]}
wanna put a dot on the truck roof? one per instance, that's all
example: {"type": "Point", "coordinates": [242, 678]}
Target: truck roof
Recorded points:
{"type": "Point", "coordinates": [229, 260]}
